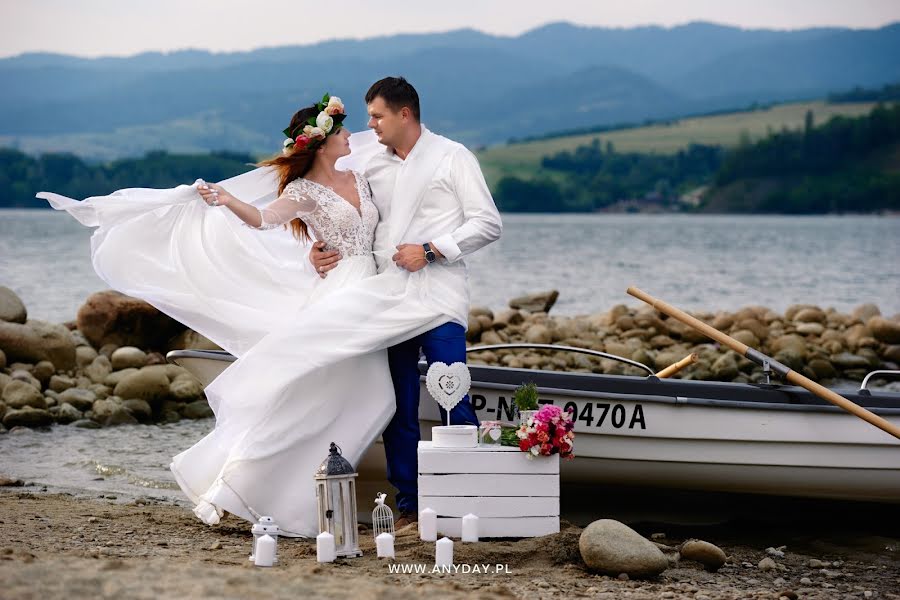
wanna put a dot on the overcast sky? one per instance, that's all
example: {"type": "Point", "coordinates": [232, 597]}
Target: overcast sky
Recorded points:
{"type": "Point", "coordinates": [125, 27]}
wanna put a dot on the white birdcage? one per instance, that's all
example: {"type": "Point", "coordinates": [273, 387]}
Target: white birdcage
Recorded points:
{"type": "Point", "coordinates": [382, 516]}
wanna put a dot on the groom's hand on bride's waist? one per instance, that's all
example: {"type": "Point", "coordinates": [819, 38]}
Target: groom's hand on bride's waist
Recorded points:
{"type": "Point", "coordinates": [323, 260]}
{"type": "Point", "coordinates": [411, 257]}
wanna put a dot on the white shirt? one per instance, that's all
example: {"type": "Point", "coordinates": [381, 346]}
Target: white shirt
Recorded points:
{"type": "Point", "coordinates": [447, 202]}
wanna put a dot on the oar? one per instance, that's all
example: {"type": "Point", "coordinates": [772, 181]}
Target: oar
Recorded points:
{"type": "Point", "coordinates": [676, 367]}
{"type": "Point", "coordinates": [760, 359]}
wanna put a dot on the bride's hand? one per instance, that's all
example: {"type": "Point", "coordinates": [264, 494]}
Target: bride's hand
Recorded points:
{"type": "Point", "coordinates": [212, 194]}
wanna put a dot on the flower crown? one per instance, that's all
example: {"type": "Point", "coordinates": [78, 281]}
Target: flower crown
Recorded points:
{"type": "Point", "coordinates": [313, 133]}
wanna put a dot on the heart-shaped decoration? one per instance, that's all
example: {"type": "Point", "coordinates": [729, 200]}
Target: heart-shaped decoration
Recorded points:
{"type": "Point", "coordinates": [448, 384]}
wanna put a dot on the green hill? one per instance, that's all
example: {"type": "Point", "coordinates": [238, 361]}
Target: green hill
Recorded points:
{"type": "Point", "coordinates": [523, 160]}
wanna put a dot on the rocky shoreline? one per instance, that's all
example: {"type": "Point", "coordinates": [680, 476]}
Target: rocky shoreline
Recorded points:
{"type": "Point", "coordinates": [108, 366]}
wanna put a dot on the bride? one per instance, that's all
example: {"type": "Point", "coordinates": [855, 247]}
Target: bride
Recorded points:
{"type": "Point", "coordinates": [244, 292]}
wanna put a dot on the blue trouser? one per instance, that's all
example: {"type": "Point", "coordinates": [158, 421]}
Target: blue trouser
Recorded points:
{"type": "Point", "coordinates": [445, 343]}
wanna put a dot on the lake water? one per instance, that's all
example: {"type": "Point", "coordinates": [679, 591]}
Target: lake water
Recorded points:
{"type": "Point", "coordinates": [693, 262]}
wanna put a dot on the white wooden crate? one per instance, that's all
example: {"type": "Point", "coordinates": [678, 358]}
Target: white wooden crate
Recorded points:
{"type": "Point", "coordinates": [511, 495]}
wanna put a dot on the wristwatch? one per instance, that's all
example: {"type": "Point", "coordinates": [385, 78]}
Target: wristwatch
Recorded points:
{"type": "Point", "coordinates": [430, 256]}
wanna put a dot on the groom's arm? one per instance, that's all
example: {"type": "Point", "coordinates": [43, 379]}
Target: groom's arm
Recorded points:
{"type": "Point", "coordinates": [482, 224]}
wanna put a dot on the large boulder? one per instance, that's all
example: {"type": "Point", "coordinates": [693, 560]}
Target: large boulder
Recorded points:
{"type": "Point", "coordinates": [12, 309]}
{"type": "Point", "coordinates": [110, 317]}
{"type": "Point", "coordinates": [68, 414]}
{"type": "Point", "coordinates": [186, 389]}
{"type": "Point", "coordinates": [197, 410]}
{"type": "Point", "coordinates": [611, 548]}
{"type": "Point", "coordinates": [36, 341]}
{"type": "Point", "coordinates": [99, 369]}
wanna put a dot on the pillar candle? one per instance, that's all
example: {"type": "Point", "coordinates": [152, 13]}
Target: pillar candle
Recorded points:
{"type": "Point", "coordinates": [443, 552]}
{"type": "Point", "coordinates": [384, 544]}
{"type": "Point", "coordinates": [265, 552]}
{"type": "Point", "coordinates": [428, 525]}
{"type": "Point", "coordinates": [470, 528]}
{"type": "Point", "coordinates": [325, 547]}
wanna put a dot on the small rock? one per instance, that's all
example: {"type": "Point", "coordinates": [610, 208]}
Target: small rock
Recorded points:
{"type": "Point", "coordinates": [18, 394]}
{"type": "Point", "coordinates": [60, 383]}
{"type": "Point", "coordinates": [215, 545]}
{"type": "Point", "coordinates": [128, 357]}
{"type": "Point", "coordinates": [709, 555]}
{"type": "Point", "coordinates": [198, 410]}
{"type": "Point", "coordinates": [27, 417]}
{"type": "Point", "coordinates": [79, 398]}
{"type": "Point", "coordinates": [774, 552]}
{"type": "Point", "coordinates": [767, 564]}
{"type": "Point", "coordinates": [12, 309]}
{"type": "Point", "coordinates": [86, 424]}
{"type": "Point", "coordinates": [10, 482]}
{"type": "Point", "coordinates": [805, 581]}
{"type": "Point", "coordinates": [815, 563]}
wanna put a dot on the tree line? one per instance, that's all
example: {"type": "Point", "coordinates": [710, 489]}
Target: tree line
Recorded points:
{"type": "Point", "coordinates": [22, 176]}
{"type": "Point", "coordinates": [844, 165]}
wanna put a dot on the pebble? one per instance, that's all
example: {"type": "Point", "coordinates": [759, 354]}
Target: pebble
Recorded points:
{"type": "Point", "coordinates": [777, 553]}
{"type": "Point", "coordinates": [215, 545]}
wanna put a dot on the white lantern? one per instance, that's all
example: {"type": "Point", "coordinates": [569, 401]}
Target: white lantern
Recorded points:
{"type": "Point", "coordinates": [266, 526]}
{"type": "Point", "coordinates": [336, 495]}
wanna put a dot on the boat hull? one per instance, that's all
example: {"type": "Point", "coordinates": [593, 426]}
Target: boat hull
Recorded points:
{"type": "Point", "coordinates": [687, 435]}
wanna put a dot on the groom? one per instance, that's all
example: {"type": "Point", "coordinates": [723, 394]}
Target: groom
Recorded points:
{"type": "Point", "coordinates": [435, 208]}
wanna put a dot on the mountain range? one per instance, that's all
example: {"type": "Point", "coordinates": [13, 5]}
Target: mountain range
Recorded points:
{"type": "Point", "coordinates": [478, 88]}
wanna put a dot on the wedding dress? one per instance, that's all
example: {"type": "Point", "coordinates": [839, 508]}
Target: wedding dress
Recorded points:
{"type": "Point", "coordinates": [263, 461]}
{"type": "Point", "coordinates": [241, 287]}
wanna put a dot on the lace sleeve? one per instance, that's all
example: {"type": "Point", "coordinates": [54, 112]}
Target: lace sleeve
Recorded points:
{"type": "Point", "coordinates": [292, 203]}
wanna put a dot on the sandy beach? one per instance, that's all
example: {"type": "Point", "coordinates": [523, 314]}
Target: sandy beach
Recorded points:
{"type": "Point", "coordinates": [58, 545]}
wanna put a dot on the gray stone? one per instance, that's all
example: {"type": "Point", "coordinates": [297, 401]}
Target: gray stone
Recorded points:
{"type": "Point", "coordinates": [610, 547]}
{"type": "Point", "coordinates": [23, 375]}
{"type": "Point", "coordinates": [80, 398]}
{"type": "Point", "coordinates": [767, 564]}
{"type": "Point", "coordinates": [490, 338]}
{"type": "Point", "coordinates": [884, 330]}
{"type": "Point", "coordinates": [18, 394]}
{"type": "Point", "coordinates": [60, 383]}
{"type": "Point", "coordinates": [150, 383]}
{"type": "Point", "coordinates": [845, 360]}
{"type": "Point", "coordinates": [84, 355]}
{"type": "Point", "coordinates": [538, 334]}
{"type": "Point", "coordinates": [186, 389]}
{"type": "Point", "coordinates": [99, 369]}
{"type": "Point", "coordinates": [810, 328]}
{"type": "Point", "coordinates": [12, 309]}
{"type": "Point", "coordinates": [68, 414]}
{"type": "Point", "coordinates": [110, 412]}
{"type": "Point", "coordinates": [709, 555]}
{"type": "Point", "coordinates": [864, 312]}
{"type": "Point", "coordinates": [810, 315]}
{"type": "Point", "coordinates": [27, 417]}
{"type": "Point", "coordinates": [139, 408]}
{"type": "Point", "coordinates": [197, 410]}
{"type": "Point", "coordinates": [86, 424]}
{"type": "Point", "coordinates": [113, 379]}
{"type": "Point", "coordinates": [43, 371]}
{"type": "Point", "coordinates": [128, 357]}
{"type": "Point", "coordinates": [36, 340]}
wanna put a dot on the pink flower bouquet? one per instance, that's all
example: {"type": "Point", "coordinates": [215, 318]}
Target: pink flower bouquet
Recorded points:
{"type": "Point", "coordinates": [550, 431]}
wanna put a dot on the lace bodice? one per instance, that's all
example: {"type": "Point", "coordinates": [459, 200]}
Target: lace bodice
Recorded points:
{"type": "Point", "coordinates": [331, 218]}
